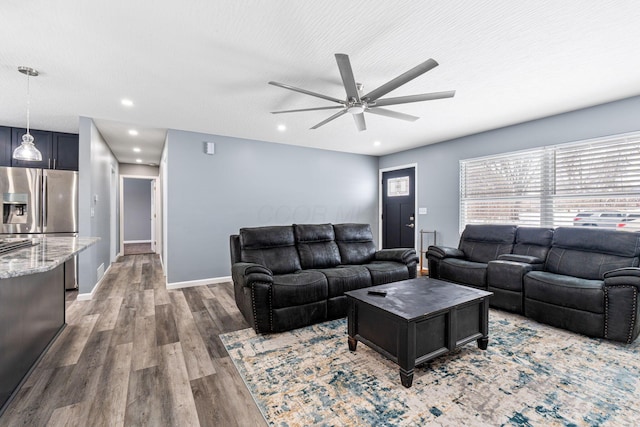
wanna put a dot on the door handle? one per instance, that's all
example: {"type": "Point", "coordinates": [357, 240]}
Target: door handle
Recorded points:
{"type": "Point", "coordinates": [45, 201]}
{"type": "Point", "coordinates": [410, 225]}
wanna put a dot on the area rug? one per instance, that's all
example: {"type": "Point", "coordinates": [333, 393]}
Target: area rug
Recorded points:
{"type": "Point", "coordinates": [531, 375]}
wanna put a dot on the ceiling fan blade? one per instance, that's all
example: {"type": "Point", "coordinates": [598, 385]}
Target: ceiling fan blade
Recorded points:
{"type": "Point", "coordinates": [414, 98]}
{"type": "Point", "coordinates": [346, 73]}
{"type": "Point", "coordinates": [360, 123]}
{"type": "Point", "coordinates": [335, 116]}
{"type": "Point", "coordinates": [392, 114]}
{"type": "Point", "coordinates": [401, 79]}
{"type": "Point", "coordinates": [307, 109]}
{"type": "Point", "coordinates": [308, 92]}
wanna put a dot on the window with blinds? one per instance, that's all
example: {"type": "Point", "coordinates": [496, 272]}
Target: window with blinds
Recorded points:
{"type": "Point", "coordinates": [591, 183]}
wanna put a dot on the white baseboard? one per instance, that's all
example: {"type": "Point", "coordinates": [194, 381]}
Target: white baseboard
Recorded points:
{"type": "Point", "coordinates": [190, 283]}
{"type": "Point", "coordinates": [136, 241]}
{"type": "Point", "coordinates": [175, 285]}
{"type": "Point", "coordinates": [89, 296]}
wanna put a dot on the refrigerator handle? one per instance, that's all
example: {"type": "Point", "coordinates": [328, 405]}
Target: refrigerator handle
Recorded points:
{"type": "Point", "coordinates": [44, 203]}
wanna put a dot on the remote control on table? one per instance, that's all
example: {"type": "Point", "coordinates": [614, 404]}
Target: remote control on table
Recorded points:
{"type": "Point", "coordinates": [378, 293]}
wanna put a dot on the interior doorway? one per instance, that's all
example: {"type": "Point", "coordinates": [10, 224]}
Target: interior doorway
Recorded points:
{"type": "Point", "coordinates": [398, 207]}
{"type": "Point", "coordinates": [138, 224]}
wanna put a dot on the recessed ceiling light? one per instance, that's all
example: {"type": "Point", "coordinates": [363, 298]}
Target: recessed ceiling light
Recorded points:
{"type": "Point", "coordinates": [136, 149]}
{"type": "Point", "coordinates": [282, 128]}
{"type": "Point", "coordinates": [376, 143]}
{"type": "Point", "coordinates": [127, 102]}
{"type": "Point", "coordinates": [138, 161]}
{"type": "Point", "coordinates": [133, 132]}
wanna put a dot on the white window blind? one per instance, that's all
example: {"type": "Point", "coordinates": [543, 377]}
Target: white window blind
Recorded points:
{"type": "Point", "coordinates": [554, 186]}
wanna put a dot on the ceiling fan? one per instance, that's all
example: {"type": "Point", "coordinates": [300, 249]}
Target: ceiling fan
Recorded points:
{"type": "Point", "coordinates": [357, 104]}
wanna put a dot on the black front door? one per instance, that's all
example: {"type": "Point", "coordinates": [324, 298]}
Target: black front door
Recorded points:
{"type": "Point", "coordinates": [398, 208]}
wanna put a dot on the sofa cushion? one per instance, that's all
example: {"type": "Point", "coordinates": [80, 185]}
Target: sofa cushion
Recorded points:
{"type": "Point", "coordinates": [463, 271]}
{"type": "Point", "coordinates": [316, 245]}
{"type": "Point", "coordinates": [484, 242]}
{"type": "Point", "coordinates": [386, 272]}
{"type": "Point", "coordinates": [355, 242]}
{"type": "Point", "coordinates": [609, 242]}
{"type": "Point", "coordinates": [346, 278]}
{"type": "Point", "coordinates": [589, 253]}
{"type": "Point", "coordinates": [272, 247]}
{"type": "Point", "coordinates": [565, 291]}
{"type": "Point", "coordinates": [533, 241]}
{"type": "Point", "coordinates": [584, 264]}
{"type": "Point", "coordinates": [303, 287]}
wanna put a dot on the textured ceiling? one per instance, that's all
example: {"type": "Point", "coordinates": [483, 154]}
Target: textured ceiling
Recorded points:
{"type": "Point", "coordinates": [204, 66]}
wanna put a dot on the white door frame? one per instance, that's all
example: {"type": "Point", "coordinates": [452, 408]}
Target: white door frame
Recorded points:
{"type": "Point", "coordinates": [154, 217]}
{"type": "Point", "coordinates": [156, 229]}
{"type": "Point", "coordinates": [113, 215]}
{"type": "Point", "coordinates": [415, 195]}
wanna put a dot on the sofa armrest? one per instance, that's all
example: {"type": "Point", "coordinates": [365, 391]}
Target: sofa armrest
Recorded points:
{"type": "Point", "coordinates": [628, 275]}
{"type": "Point", "coordinates": [252, 288]}
{"type": "Point", "coordinates": [441, 252]}
{"type": "Point", "coordinates": [435, 254]}
{"type": "Point", "coordinates": [244, 274]}
{"type": "Point", "coordinates": [527, 259]}
{"type": "Point", "coordinates": [622, 305]}
{"type": "Point", "coordinates": [403, 255]}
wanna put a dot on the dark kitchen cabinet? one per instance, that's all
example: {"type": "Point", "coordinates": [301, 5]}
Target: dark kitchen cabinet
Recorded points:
{"type": "Point", "coordinates": [5, 146]}
{"type": "Point", "coordinates": [65, 150]}
{"type": "Point", "coordinates": [59, 150]}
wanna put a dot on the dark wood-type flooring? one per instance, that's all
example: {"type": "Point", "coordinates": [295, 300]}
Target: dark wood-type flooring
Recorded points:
{"type": "Point", "coordinates": [140, 355]}
{"type": "Point", "coordinates": [137, 248]}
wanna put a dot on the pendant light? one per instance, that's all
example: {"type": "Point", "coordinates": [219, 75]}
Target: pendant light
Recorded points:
{"type": "Point", "coordinates": [27, 149]}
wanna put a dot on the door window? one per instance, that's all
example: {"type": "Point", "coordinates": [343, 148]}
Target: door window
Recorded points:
{"type": "Point", "coordinates": [397, 187]}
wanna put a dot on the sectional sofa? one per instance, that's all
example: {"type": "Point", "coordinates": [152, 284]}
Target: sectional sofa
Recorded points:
{"type": "Point", "coordinates": [286, 277]}
{"type": "Point", "coordinates": [582, 279]}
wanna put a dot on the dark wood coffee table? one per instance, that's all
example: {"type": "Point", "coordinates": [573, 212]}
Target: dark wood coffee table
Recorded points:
{"type": "Point", "coordinates": [418, 320]}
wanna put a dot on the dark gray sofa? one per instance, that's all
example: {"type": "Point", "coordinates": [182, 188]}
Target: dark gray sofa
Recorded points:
{"type": "Point", "coordinates": [581, 279]}
{"type": "Point", "coordinates": [287, 277]}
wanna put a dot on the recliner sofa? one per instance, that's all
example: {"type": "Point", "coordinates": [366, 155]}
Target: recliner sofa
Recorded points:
{"type": "Point", "coordinates": [582, 279]}
{"type": "Point", "coordinates": [287, 277]}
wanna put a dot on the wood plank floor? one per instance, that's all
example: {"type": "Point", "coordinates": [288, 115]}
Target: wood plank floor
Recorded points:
{"type": "Point", "coordinates": [140, 355]}
{"type": "Point", "coordinates": [137, 248]}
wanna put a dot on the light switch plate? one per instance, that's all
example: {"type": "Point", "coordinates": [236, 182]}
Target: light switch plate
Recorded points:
{"type": "Point", "coordinates": [422, 211]}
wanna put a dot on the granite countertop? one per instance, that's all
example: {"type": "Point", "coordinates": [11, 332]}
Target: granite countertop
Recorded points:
{"type": "Point", "coordinates": [47, 254]}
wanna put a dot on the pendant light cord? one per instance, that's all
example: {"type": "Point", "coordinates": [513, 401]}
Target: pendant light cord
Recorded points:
{"type": "Point", "coordinates": [28, 100]}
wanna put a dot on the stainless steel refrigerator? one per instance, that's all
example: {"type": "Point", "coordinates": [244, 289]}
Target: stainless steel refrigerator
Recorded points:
{"type": "Point", "coordinates": [37, 202]}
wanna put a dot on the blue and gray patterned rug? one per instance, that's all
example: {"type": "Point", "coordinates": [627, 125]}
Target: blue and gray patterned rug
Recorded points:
{"type": "Point", "coordinates": [531, 375]}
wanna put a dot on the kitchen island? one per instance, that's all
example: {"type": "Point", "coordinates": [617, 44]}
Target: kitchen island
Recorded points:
{"type": "Point", "coordinates": [32, 303]}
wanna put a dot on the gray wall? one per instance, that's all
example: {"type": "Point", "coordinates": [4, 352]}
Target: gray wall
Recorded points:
{"type": "Point", "coordinates": [96, 163]}
{"type": "Point", "coordinates": [254, 183]}
{"type": "Point", "coordinates": [438, 164]}
{"type": "Point", "coordinates": [136, 194]}
{"type": "Point", "coordinates": [139, 170]}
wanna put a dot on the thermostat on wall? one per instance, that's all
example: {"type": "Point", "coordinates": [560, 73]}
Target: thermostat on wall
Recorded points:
{"type": "Point", "coordinates": [210, 148]}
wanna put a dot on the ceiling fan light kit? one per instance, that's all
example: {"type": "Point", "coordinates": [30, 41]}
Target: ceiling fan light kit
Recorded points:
{"type": "Point", "coordinates": [357, 104]}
